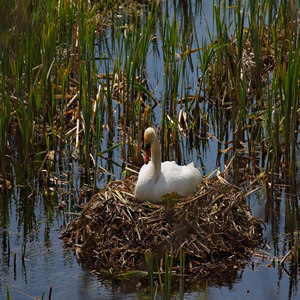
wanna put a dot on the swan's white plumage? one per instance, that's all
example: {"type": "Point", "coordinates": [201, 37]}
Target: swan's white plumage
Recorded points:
{"type": "Point", "coordinates": [157, 179]}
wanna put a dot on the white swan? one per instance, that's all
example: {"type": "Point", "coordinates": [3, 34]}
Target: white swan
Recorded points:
{"type": "Point", "coordinates": [157, 179]}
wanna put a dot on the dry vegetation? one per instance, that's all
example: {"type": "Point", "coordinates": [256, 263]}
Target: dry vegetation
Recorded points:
{"type": "Point", "coordinates": [213, 228]}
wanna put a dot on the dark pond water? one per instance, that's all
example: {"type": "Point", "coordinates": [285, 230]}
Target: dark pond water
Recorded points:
{"type": "Point", "coordinates": [33, 258]}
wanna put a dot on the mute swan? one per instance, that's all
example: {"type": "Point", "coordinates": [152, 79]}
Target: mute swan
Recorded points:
{"type": "Point", "coordinates": [157, 179]}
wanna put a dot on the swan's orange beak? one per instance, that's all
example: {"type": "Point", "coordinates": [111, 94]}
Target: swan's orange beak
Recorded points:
{"type": "Point", "coordinates": [147, 153]}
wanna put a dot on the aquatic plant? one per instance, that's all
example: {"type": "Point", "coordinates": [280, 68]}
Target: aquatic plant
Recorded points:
{"type": "Point", "coordinates": [75, 80]}
{"type": "Point", "coordinates": [247, 70]}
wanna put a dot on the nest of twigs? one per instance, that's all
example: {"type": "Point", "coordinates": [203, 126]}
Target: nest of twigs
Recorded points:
{"type": "Point", "coordinates": [212, 227]}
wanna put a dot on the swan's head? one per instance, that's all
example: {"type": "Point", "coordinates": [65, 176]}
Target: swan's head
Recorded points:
{"type": "Point", "coordinates": [149, 136]}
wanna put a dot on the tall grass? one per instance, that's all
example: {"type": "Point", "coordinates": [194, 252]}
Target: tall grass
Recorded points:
{"type": "Point", "coordinates": [149, 264]}
{"type": "Point", "coordinates": [255, 72]}
{"type": "Point", "coordinates": [135, 68]}
{"type": "Point", "coordinates": [127, 81]}
{"type": "Point", "coordinates": [284, 94]}
{"type": "Point", "coordinates": [87, 74]}
{"type": "Point", "coordinates": [5, 119]}
{"type": "Point", "coordinates": [50, 43]}
{"type": "Point", "coordinates": [171, 39]}
{"type": "Point", "coordinates": [49, 56]}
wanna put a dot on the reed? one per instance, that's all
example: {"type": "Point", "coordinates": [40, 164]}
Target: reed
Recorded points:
{"type": "Point", "coordinates": [284, 92]}
{"type": "Point", "coordinates": [98, 129]}
{"type": "Point", "coordinates": [181, 279]}
{"type": "Point", "coordinates": [5, 120]}
{"type": "Point", "coordinates": [42, 89]}
{"type": "Point", "coordinates": [149, 264]}
{"type": "Point", "coordinates": [129, 67]}
{"type": "Point", "coordinates": [88, 71]}
{"type": "Point", "coordinates": [257, 22]}
{"type": "Point", "coordinates": [64, 73]}
{"type": "Point", "coordinates": [164, 276]}
{"type": "Point", "coordinates": [168, 274]}
{"type": "Point", "coordinates": [290, 109]}
{"type": "Point", "coordinates": [169, 35]}
{"type": "Point", "coordinates": [230, 76]}
{"type": "Point", "coordinates": [7, 292]}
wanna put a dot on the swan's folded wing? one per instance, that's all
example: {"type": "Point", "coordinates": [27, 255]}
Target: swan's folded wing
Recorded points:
{"type": "Point", "coordinates": [180, 179]}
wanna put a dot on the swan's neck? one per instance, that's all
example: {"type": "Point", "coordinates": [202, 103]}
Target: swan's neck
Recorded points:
{"type": "Point", "coordinates": [156, 157]}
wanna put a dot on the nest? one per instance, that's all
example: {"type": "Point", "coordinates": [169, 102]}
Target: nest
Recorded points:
{"type": "Point", "coordinates": [213, 228]}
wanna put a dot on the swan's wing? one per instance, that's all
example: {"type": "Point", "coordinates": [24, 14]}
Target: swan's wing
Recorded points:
{"type": "Point", "coordinates": [180, 179]}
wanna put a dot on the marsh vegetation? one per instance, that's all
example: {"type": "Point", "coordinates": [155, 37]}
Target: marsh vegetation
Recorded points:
{"type": "Point", "coordinates": [80, 81]}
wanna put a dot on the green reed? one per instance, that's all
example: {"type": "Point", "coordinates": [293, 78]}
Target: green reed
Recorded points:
{"type": "Point", "coordinates": [227, 80]}
{"type": "Point", "coordinates": [219, 16]}
{"type": "Point", "coordinates": [87, 73]}
{"type": "Point", "coordinates": [149, 25]}
{"type": "Point", "coordinates": [257, 24]}
{"type": "Point", "coordinates": [228, 83]}
{"type": "Point", "coordinates": [283, 96]}
{"type": "Point", "coordinates": [63, 74]}
{"type": "Point", "coordinates": [109, 89]}
{"type": "Point", "coordinates": [272, 127]}
{"type": "Point", "coordinates": [290, 107]}
{"type": "Point", "coordinates": [5, 120]}
{"type": "Point", "coordinates": [98, 128]}
{"type": "Point", "coordinates": [169, 35]}
{"type": "Point", "coordinates": [38, 62]}
{"type": "Point", "coordinates": [168, 274]}
{"type": "Point", "coordinates": [62, 45]}
{"type": "Point", "coordinates": [149, 265]}
{"type": "Point", "coordinates": [7, 292]}
{"type": "Point", "coordinates": [165, 276]}
{"type": "Point", "coordinates": [52, 46]}
{"type": "Point", "coordinates": [130, 67]}
{"type": "Point", "coordinates": [49, 74]}
{"type": "Point", "coordinates": [181, 279]}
